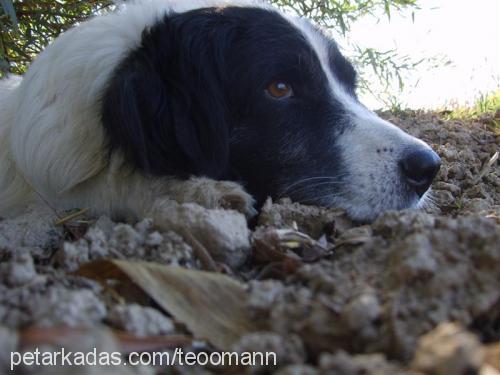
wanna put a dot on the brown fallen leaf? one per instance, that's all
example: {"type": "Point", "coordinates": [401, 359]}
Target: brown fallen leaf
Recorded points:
{"type": "Point", "coordinates": [131, 343]}
{"type": "Point", "coordinates": [35, 336]}
{"type": "Point", "coordinates": [59, 335]}
{"type": "Point", "coordinates": [492, 355]}
{"type": "Point", "coordinates": [211, 305]}
{"type": "Point", "coordinates": [273, 245]}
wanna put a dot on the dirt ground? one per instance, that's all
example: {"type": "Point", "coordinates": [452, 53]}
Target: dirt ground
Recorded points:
{"type": "Point", "coordinates": [414, 292]}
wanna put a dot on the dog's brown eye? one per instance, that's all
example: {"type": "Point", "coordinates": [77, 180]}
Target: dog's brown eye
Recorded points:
{"type": "Point", "coordinates": [279, 90]}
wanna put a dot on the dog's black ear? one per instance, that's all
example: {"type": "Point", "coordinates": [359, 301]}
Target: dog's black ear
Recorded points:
{"type": "Point", "coordinates": [166, 106]}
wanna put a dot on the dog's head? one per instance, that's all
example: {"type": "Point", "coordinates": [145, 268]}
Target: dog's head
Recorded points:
{"type": "Point", "coordinates": [249, 94]}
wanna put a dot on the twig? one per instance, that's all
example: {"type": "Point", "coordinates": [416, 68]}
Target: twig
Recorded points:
{"type": "Point", "coordinates": [64, 220]}
{"type": "Point", "coordinates": [486, 168]}
{"type": "Point", "coordinates": [206, 259]}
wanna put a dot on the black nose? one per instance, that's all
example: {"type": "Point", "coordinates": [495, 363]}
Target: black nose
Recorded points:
{"type": "Point", "coordinates": [419, 168]}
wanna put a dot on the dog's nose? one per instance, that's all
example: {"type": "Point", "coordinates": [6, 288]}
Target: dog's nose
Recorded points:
{"type": "Point", "coordinates": [419, 168]}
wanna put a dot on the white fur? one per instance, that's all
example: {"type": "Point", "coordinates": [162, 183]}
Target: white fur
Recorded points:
{"type": "Point", "coordinates": [51, 138]}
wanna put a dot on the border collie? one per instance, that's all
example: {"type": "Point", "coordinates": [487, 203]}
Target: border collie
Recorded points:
{"type": "Point", "coordinates": [213, 102]}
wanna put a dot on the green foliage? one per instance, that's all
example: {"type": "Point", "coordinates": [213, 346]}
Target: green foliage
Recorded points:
{"type": "Point", "coordinates": [393, 71]}
{"type": "Point", "coordinates": [486, 107]}
{"type": "Point", "coordinates": [488, 103]}
{"type": "Point", "coordinates": [27, 26]}
{"type": "Point", "coordinates": [340, 14]}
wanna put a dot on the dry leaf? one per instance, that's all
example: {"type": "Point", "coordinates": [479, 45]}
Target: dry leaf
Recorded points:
{"type": "Point", "coordinates": [272, 245]}
{"type": "Point", "coordinates": [131, 343]}
{"type": "Point", "coordinates": [211, 305]}
{"type": "Point", "coordinates": [36, 336]}
{"type": "Point", "coordinates": [492, 355]}
{"type": "Point", "coordinates": [59, 335]}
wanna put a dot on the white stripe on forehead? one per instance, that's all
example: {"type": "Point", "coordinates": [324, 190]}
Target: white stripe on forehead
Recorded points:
{"type": "Point", "coordinates": [366, 123]}
{"type": "Point", "coordinates": [320, 45]}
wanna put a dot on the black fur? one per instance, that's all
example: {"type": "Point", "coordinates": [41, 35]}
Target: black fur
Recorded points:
{"type": "Point", "coordinates": [192, 100]}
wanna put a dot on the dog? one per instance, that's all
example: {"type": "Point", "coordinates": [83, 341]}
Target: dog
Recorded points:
{"type": "Point", "coordinates": [220, 103]}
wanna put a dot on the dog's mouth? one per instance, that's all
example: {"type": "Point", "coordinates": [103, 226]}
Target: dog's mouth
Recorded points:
{"type": "Point", "coordinates": [363, 201]}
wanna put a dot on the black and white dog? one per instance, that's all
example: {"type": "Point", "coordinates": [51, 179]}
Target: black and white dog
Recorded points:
{"type": "Point", "coordinates": [186, 100]}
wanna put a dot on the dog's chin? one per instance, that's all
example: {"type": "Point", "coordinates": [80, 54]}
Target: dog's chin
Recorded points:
{"type": "Point", "coordinates": [365, 212]}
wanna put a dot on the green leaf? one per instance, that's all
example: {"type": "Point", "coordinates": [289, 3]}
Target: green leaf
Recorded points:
{"type": "Point", "coordinates": [387, 8]}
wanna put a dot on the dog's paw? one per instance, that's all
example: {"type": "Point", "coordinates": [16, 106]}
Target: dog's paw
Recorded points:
{"type": "Point", "coordinates": [212, 194]}
{"type": "Point", "coordinates": [232, 196]}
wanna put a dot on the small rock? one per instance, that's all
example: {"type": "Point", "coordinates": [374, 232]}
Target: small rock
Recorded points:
{"type": "Point", "coordinates": [154, 239]}
{"type": "Point", "coordinates": [61, 306]}
{"type": "Point", "coordinates": [224, 233]}
{"type": "Point", "coordinates": [171, 250]}
{"type": "Point", "coordinates": [98, 243]}
{"type": "Point", "coordinates": [127, 241]}
{"type": "Point", "coordinates": [142, 321]}
{"type": "Point", "coordinates": [342, 363]}
{"type": "Point", "coordinates": [413, 258]}
{"type": "Point", "coordinates": [263, 294]}
{"type": "Point", "coordinates": [448, 349]}
{"type": "Point", "coordinates": [477, 191]}
{"type": "Point", "coordinates": [72, 255]}
{"type": "Point", "coordinates": [311, 220]}
{"type": "Point", "coordinates": [361, 311]}
{"type": "Point", "coordinates": [19, 270]}
{"type": "Point", "coordinates": [105, 224]}
{"type": "Point", "coordinates": [452, 188]}
{"type": "Point", "coordinates": [401, 223]}
{"type": "Point", "coordinates": [144, 226]}
{"type": "Point", "coordinates": [476, 205]}
{"type": "Point", "coordinates": [448, 152]}
{"type": "Point", "coordinates": [34, 230]}
{"type": "Point", "coordinates": [443, 198]}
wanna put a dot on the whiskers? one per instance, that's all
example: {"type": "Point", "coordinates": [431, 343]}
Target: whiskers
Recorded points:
{"type": "Point", "coordinates": [362, 201]}
{"type": "Point", "coordinates": [428, 203]}
{"type": "Point", "coordinates": [313, 189]}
